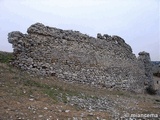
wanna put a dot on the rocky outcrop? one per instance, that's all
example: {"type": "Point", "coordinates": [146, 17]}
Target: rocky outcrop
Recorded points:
{"type": "Point", "coordinates": [103, 61]}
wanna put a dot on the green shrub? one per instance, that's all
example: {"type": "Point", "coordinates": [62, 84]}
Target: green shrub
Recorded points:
{"type": "Point", "coordinates": [157, 74]}
{"type": "Point", "coordinates": [151, 91]}
{"type": "Point", "coordinates": [5, 57]}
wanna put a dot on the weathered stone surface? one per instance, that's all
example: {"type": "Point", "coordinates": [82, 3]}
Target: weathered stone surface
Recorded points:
{"type": "Point", "coordinates": [99, 36]}
{"type": "Point", "coordinates": [103, 61]}
{"type": "Point", "coordinates": [145, 63]}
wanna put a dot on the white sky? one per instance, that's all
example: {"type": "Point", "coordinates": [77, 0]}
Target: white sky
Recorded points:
{"type": "Point", "coordinates": [136, 21]}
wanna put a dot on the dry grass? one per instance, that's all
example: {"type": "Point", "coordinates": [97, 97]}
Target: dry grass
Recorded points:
{"type": "Point", "coordinates": [31, 97]}
{"type": "Point", "coordinates": [25, 97]}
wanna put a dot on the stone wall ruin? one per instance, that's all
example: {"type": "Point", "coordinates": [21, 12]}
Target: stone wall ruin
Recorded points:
{"type": "Point", "coordinates": [70, 55]}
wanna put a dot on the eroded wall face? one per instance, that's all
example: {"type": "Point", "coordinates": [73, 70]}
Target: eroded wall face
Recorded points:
{"type": "Point", "coordinates": [103, 61]}
{"type": "Point", "coordinates": [145, 62]}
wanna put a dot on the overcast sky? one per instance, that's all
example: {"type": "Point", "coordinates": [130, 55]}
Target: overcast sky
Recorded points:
{"type": "Point", "coordinates": [136, 21]}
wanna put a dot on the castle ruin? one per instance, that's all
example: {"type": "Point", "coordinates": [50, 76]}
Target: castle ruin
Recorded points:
{"type": "Point", "coordinates": [105, 61]}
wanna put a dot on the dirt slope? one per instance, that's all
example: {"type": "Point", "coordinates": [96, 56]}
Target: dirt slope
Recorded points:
{"type": "Point", "coordinates": [28, 97]}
